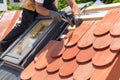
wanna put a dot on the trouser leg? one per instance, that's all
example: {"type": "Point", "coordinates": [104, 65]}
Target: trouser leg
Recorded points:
{"type": "Point", "coordinates": [27, 19]}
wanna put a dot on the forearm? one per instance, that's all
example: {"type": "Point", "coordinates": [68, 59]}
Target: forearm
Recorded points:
{"type": "Point", "coordinates": [41, 10]}
{"type": "Point", "coordinates": [56, 3]}
{"type": "Point", "coordinates": [74, 7]}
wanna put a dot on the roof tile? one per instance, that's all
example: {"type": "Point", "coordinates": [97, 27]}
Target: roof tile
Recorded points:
{"type": "Point", "coordinates": [54, 66]}
{"type": "Point", "coordinates": [28, 72]}
{"type": "Point", "coordinates": [56, 76]}
{"type": "Point", "coordinates": [115, 44]}
{"type": "Point", "coordinates": [107, 73]}
{"type": "Point", "coordinates": [100, 58]}
{"type": "Point", "coordinates": [70, 53]}
{"type": "Point", "coordinates": [84, 71]}
{"type": "Point", "coordinates": [79, 32]}
{"type": "Point", "coordinates": [102, 42]}
{"type": "Point", "coordinates": [115, 29]}
{"type": "Point", "coordinates": [103, 27]}
{"type": "Point", "coordinates": [88, 38]}
{"type": "Point", "coordinates": [67, 37]}
{"type": "Point", "coordinates": [58, 50]}
{"type": "Point", "coordinates": [39, 75]}
{"type": "Point", "coordinates": [45, 56]}
{"type": "Point", "coordinates": [45, 49]}
{"type": "Point", "coordinates": [68, 68]}
{"type": "Point", "coordinates": [89, 52]}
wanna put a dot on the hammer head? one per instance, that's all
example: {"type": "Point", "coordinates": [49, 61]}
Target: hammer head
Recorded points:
{"type": "Point", "coordinates": [68, 21]}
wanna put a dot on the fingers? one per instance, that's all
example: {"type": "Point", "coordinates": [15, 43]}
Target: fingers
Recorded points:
{"type": "Point", "coordinates": [55, 16]}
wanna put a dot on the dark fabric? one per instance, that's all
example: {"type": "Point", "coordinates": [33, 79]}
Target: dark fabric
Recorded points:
{"type": "Point", "coordinates": [48, 1]}
{"type": "Point", "coordinates": [49, 5]}
{"type": "Point", "coordinates": [27, 19]}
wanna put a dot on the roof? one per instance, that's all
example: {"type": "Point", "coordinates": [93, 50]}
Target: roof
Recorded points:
{"type": "Point", "coordinates": [90, 52]}
{"type": "Point", "coordinates": [7, 21]}
{"type": "Point", "coordinates": [8, 73]}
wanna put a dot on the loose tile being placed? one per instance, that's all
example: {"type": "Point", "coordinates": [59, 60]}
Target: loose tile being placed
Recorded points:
{"type": "Point", "coordinates": [59, 49]}
{"type": "Point", "coordinates": [45, 57]}
{"type": "Point", "coordinates": [45, 49]}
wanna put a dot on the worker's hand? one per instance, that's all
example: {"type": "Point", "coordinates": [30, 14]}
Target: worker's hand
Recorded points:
{"type": "Point", "coordinates": [77, 20]}
{"type": "Point", "coordinates": [55, 15]}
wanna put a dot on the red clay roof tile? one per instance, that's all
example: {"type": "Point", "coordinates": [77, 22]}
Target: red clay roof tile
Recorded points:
{"type": "Point", "coordinates": [79, 59]}
{"type": "Point", "coordinates": [70, 53]}
{"type": "Point", "coordinates": [115, 44]}
{"type": "Point", "coordinates": [58, 50]}
{"type": "Point", "coordinates": [47, 47]}
{"type": "Point", "coordinates": [68, 68]}
{"type": "Point", "coordinates": [67, 37]}
{"type": "Point", "coordinates": [110, 72]}
{"type": "Point", "coordinates": [88, 38]}
{"type": "Point", "coordinates": [84, 71]}
{"type": "Point", "coordinates": [39, 75]}
{"type": "Point", "coordinates": [44, 60]}
{"type": "Point", "coordinates": [102, 42]}
{"type": "Point", "coordinates": [115, 29]}
{"type": "Point", "coordinates": [56, 76]}
{"type": "Point", "coordinates": [103, 27]}
{"type": "Point", "coordinates": [87, 53]}
{"type": "Point", "coordinates": [79, 32]}
{"type": "Point", "coordinates": [28, 72]}
{"type": "Point", "coordinates": [104, 57]}
{"type": "Point", "coordinates": [54, 66]}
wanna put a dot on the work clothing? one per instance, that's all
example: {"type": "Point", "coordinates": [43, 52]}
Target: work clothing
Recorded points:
{"type": "Point", "coordinates": [28, 17]}
{"type": "Point", "coordinates": [28, 4]}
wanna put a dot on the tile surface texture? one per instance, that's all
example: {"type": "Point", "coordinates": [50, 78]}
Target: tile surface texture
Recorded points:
{"type": "Point", "coordinates": [90, 52]}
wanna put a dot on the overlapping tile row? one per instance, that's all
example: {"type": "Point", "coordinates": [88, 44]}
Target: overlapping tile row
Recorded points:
{"type": "Point", "coordinates": [90, 52]}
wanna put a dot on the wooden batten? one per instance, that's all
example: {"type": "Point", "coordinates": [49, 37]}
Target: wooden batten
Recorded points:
{"type": "Point", "coordinates": [103, 7]}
